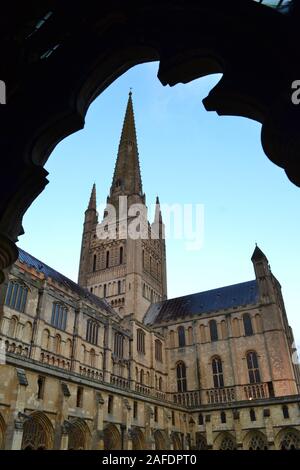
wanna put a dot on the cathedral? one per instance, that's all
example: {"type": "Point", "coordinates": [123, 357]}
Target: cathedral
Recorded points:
{"type": "Point", "coordinates": [112, 363]}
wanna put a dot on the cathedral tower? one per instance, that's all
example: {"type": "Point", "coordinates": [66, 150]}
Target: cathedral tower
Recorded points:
{"type": "Point", "coordinates": [128, 265]}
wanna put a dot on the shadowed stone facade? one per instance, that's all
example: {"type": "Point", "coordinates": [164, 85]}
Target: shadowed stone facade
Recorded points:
{"type": "Point", "coordinates": [85, 366]}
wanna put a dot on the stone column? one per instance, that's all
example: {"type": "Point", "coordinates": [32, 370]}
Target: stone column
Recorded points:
{"type": "Point", "coordinates": [149, 428]}
{"type": "Point", "coordinates": [14, 432]}
{"type": "Point", "coordinates": [168, 424]}
{"type": "Point", "coordinates": [37, 333]}
{"type": "Point", "coordinates": [269, 428]}
{"type": "Point", "coordinates": [64, 442]}
{"type": "Point", "coordinates": [127, 420]}
{"type": "Point", "coordinates": [238, 429]}
{"type": "Point", "coordinates": [17, 436]}
{"type": "Point", "coordinates": [208, 432]}
{"type": "Point", "coordinates": [108, 366]}
{"type": "Point", "coordinates": [98, 439]}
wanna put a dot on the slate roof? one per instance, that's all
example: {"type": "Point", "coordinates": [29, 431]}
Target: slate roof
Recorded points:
{"type": "Point", "coordinates": [41, 267]}
{"type": "Point", "coordinates": [245, 293]}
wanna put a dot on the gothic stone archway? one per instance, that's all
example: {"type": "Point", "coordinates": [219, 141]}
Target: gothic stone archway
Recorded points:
{"type": "Point", "coordinates": [79, 435]}
{"type": "Point", "coordinates": [38, 433]}
{"type": "Point", "coordinates": [79, 51]}
{"type": "Point", "coordinates": [255, 440]}
{"type": "Point", "coordinates": [138, 439]}
{"type": "Point", "coordinates": [176, 441]}
{"type": "Point", "coordinates": [225, 441]}
{"type": "Point", "coordinates": [161, 440]}
{"type": "Point", "coordinates": [112, 438]}
{"type": "Point", "coordinates": [288, 439]}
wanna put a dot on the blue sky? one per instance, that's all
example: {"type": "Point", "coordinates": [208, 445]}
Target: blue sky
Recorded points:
{"type": "Point", "coordinates": [187, 155]}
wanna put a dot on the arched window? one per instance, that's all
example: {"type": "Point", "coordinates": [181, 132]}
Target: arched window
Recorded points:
{"type": "Point", "coordinates": [200, 419]}
{"type": "Point", "coordinates": [119, 287]}
{"type": "Point", "coordinates": [92, 330]}
{"type": "Point", "coordinates": [223, 417]}
{"type": "Point", "coordinates": [202, 334]}
{"type": "Point", "coordinates": [59, 316]}
{"type": "Point", "coordinates": [217, 371]}
{"type": "Point", "coordinates": [181, 336]}
{"type": "Point", "coordinates": [290, 440]}
{"type": "Point", "coordinates": [253, 369]}
{"type": "Point", "coordinates": [27, 332]}
{"type": "Point", "coordinates": [158, 350]}
{"type": "Point", "coordinates": [223, 329]}
{"type": "Point", "coordinates": [107, 259]}
{"type": "Point", "coordinates": [172, 339]}
{"type": "Point", "coordinates": [181, 377]}
{"type": "Point", "coordinates": [285, 411]}
{"type": "Point", "coordinates": [142, 376]}
{"type": "Point", "coordinates": [140, 341]}
{"type": "Point", "coordinates": [252, 414]}
{"type": "Point", "coordinates": [83, 353]}
{"type": "Point", "coordinates": [69, 348]}
{"type": "Point", "coordinates": [258, 323]}
{"type": "Point", "coordinates": [57, 344]}
{"type": "Point", "coordinates": [104, 290]}
{"type": "Point", "coordinates": [94, 262]}
{"type": "Point", "coordinates": [160, 384]}
{"type": "Point", "coordinates": [228, 443]}
{"type": "Point", "coordinates": [121, 255]}
{"type": "Point", "coordinates": [16, 296]}
{"type": "Point", "coordinates": [13, 323]}
{"type": "Point", "coordinates": [247, 324]}
{"type": "Point", "coordinates": [236, 327]}
{"type": "Point", "coordinates": [46, 340]}
{"type": "Point", "coordinates": [213, 330]}
{"type": "Point", "coordinates": [92, 357]}
{"type": "Point", "coordinates": [190, 335]}
{"type": "Point", "coordinates": [119, 345]}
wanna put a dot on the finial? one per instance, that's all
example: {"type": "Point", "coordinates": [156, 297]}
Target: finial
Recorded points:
{"type": "Point", "coordinates": [130, 91]}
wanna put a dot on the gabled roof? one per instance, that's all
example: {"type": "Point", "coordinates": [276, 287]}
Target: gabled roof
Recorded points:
{"type": "Point", "coordinates": [237, 295]}
{"type": "Point", "coordinates": [41, 267]}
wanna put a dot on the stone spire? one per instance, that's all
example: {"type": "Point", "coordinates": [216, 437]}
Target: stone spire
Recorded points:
{"type": "Point", "coordinates": [158, 216]}
{"type": "Point", "coordinates": [258, 254]}
{"type": "Point", "coordinates": [158, 227]}
{"type": "Point", "coordinates": [127, 176]}
{"type": "Point", "coordinates": [93, 203]}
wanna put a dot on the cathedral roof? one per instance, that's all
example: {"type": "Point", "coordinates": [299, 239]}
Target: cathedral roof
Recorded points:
{"type": "Point", "coordinates": [237, 295]}
{"type": "Point", "coordinates": [41, 267]}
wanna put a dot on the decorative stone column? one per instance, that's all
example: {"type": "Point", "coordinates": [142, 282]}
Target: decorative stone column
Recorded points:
{"type": "Point", "coordinates": [208, 432]}
{"type": "Point", "coordinates": [127, 420]}
{"type": "Point", "coordinates": [14, 433]}
{"type": "Point", "coordinates": [238, 429]}
{"type": "Point", "coordinates": [269, 428]}
{"type": "Point", "coordinates": [16, 442]}
{"type": "Point", "coordinates": [65, 428]}
{"type": "Point", "coordinates": [149, 428]}
{"type": "Point", "coordinates": [192, 433]}
{"type": "Point", "coordinates": [98, 439]}
{"type": "Point", "coordinates": [108, 363]}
